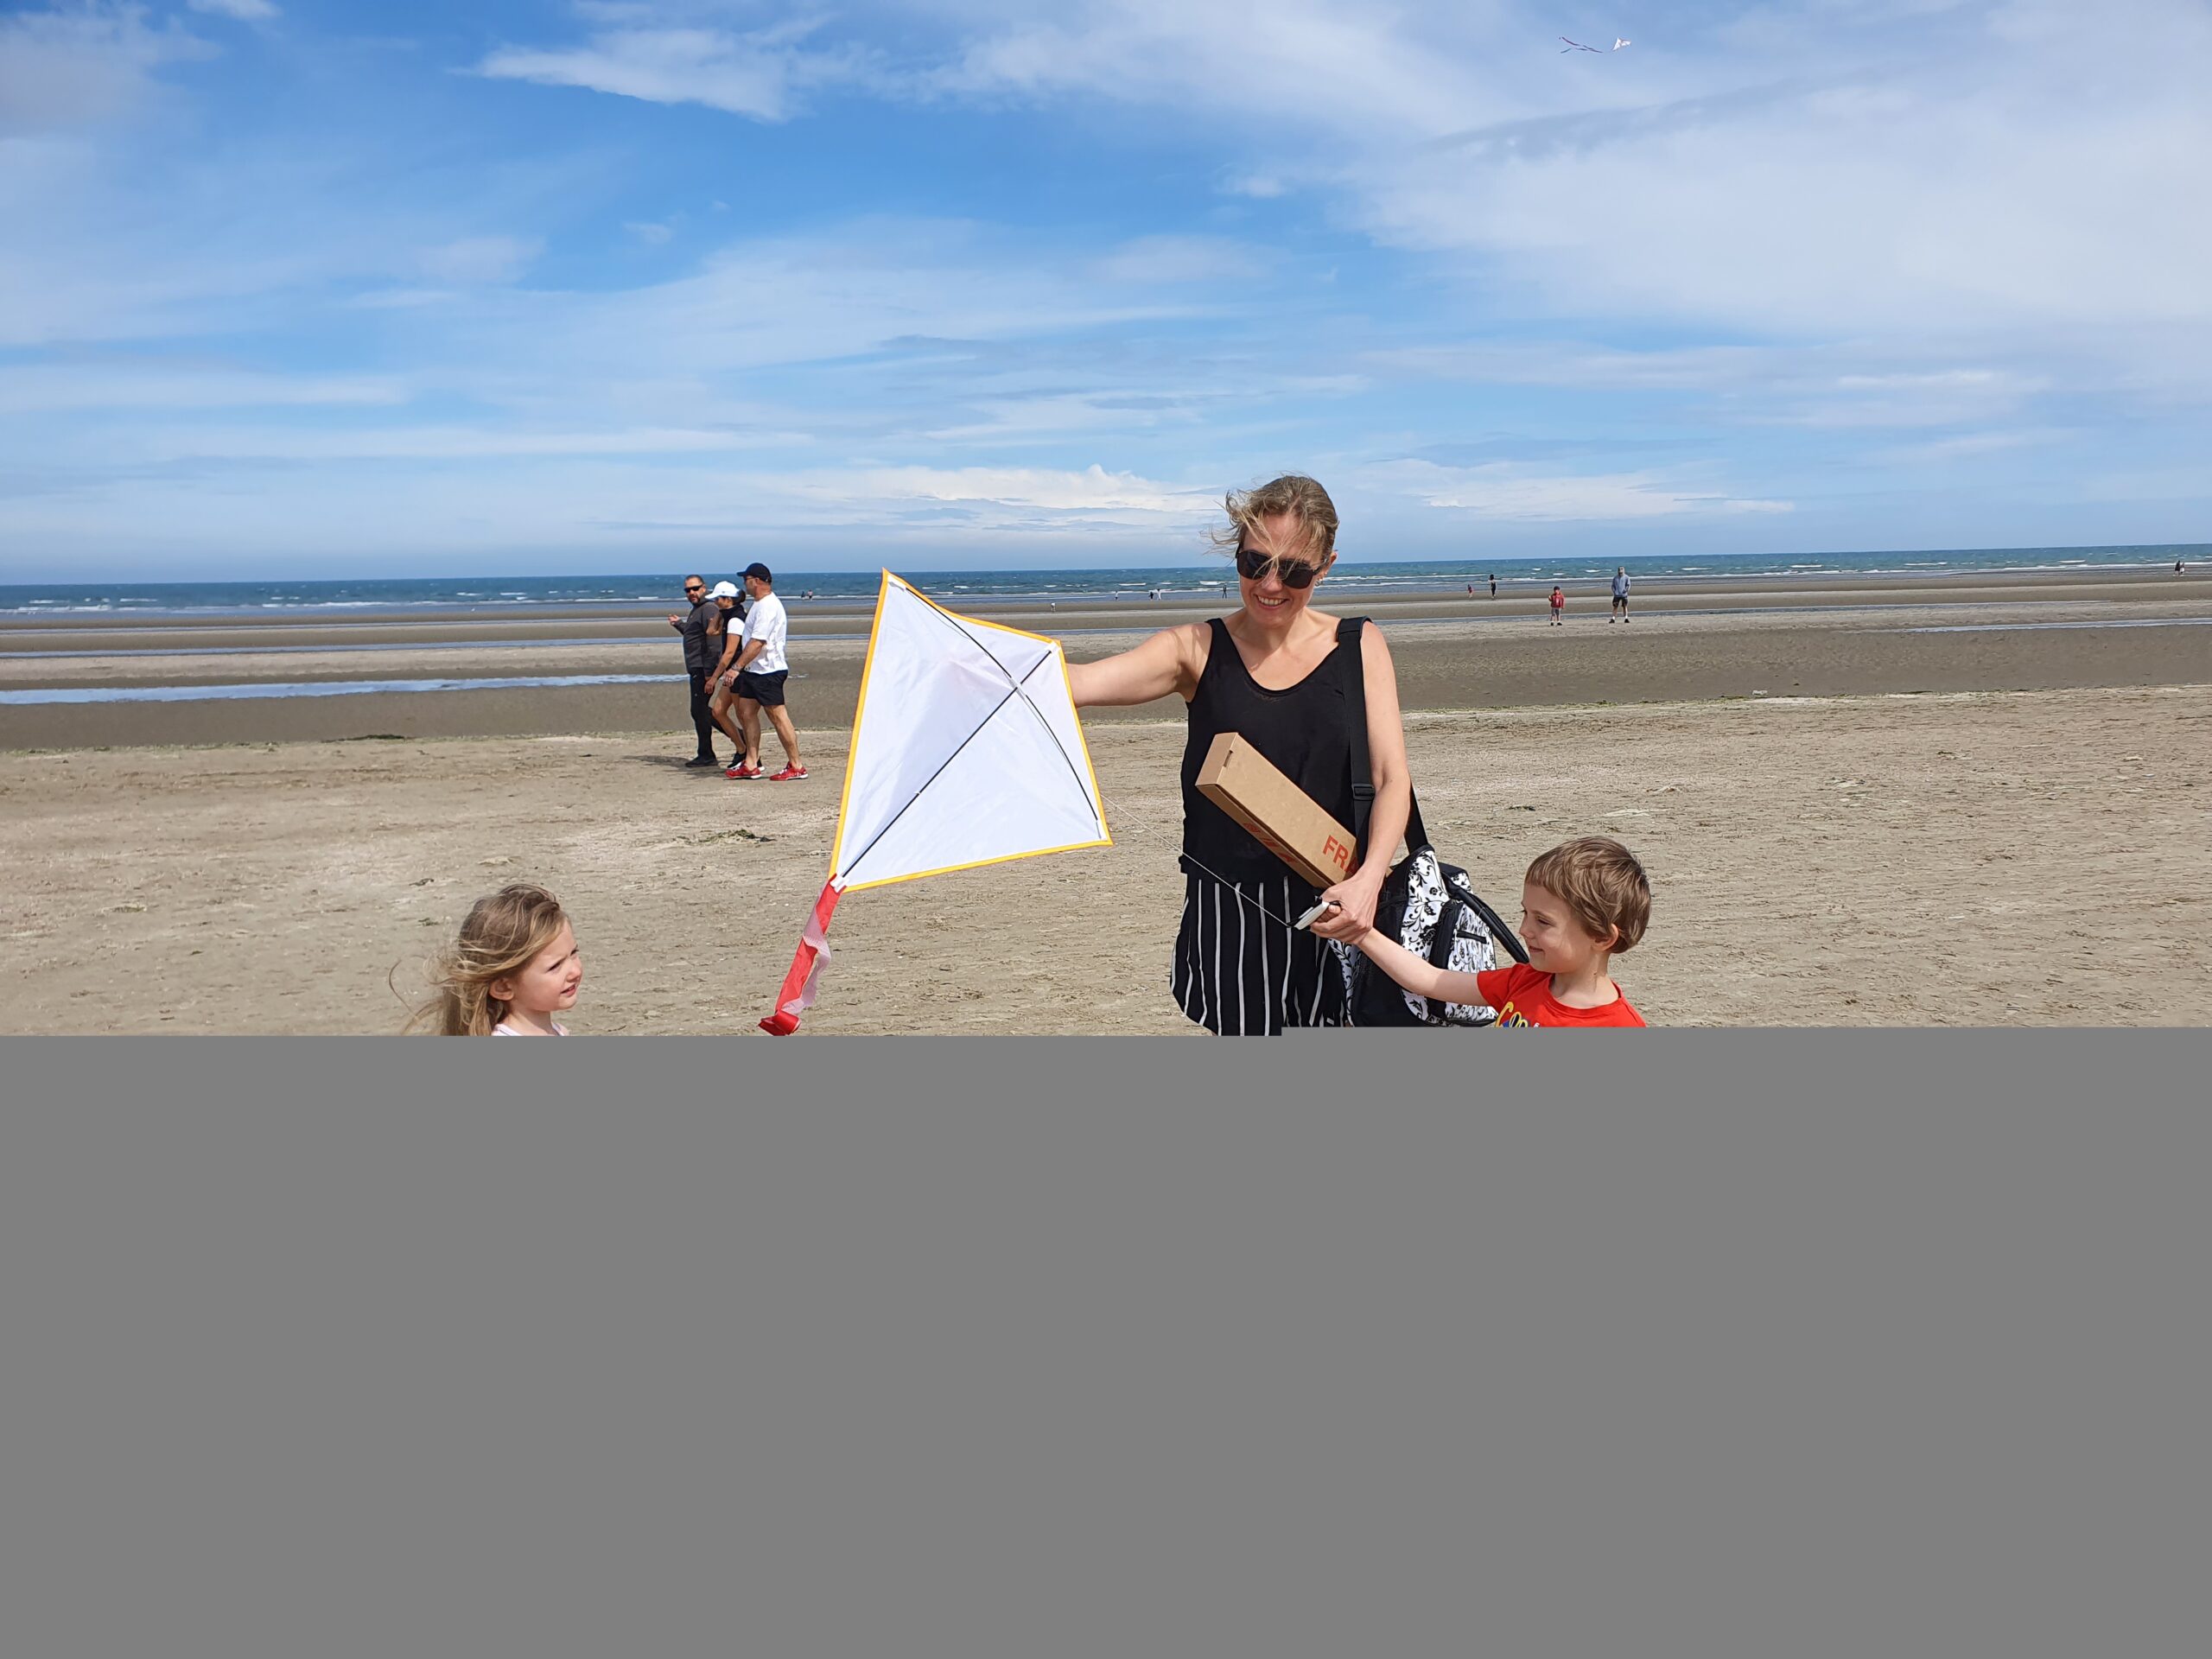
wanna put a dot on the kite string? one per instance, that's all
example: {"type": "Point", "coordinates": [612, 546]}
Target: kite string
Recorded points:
{"type": "Point", "coordinates": [1224, 882]}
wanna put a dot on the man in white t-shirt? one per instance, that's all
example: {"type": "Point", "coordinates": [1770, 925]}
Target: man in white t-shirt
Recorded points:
{"type": "Point", "coordinates": [760, 673]}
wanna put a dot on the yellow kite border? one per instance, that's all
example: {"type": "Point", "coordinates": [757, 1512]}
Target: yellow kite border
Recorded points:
{"type": "Point", "coordinates": [852, 745]}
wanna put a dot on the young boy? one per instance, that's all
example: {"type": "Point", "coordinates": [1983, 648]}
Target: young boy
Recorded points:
{"type": "Point", "coordinates": [1581, 904]}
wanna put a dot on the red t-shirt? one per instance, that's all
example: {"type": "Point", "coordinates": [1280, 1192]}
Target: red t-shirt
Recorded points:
{"type": "Point", "coordinates": [1522, 996]}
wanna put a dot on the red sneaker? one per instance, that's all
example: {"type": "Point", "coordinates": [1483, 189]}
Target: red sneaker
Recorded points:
{"type": "Point", "coordinates": [742, 770]}
{"type": "Point", "coordinates": [788, 775]}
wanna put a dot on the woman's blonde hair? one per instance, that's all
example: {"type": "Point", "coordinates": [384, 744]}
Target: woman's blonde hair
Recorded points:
{"type": "Point", "coordinates": [503, 935]}
{"type": "Point", "coordinates": [1293, 493]}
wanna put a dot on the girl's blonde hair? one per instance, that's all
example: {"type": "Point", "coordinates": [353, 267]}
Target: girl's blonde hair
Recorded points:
{"type": "Point", "coordinates": [503, 935]}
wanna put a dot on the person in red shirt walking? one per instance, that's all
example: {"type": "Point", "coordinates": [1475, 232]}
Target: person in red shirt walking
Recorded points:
{"type": "Point", "coordinates": [1559, 605]}
{"type": "Point", "coordinates": [1581, 904]}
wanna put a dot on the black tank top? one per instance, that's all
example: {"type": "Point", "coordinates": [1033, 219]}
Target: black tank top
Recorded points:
{"type": "Point", "coordinates": [1302, 730]}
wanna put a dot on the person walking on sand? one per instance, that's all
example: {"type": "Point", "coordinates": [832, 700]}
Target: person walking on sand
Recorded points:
{"type": "Point", "coordinates": [1558, 605]}
{"type": "Point", "coordinates": [1620, 594]}
{"type": "Point", "coordinates": [729, 627]}
{"type": "Point", "coordinates": [697, 628]}
{"type": "Point", "coordinates": [759, 678]}
{"type": "Point", "coordinates": [1493, 585]}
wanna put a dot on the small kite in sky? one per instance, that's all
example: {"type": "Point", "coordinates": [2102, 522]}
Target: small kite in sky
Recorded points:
{"type": "Point", "coordinates": [1577, 45]}
{"type": "Point", "coordinates": [966, 750]}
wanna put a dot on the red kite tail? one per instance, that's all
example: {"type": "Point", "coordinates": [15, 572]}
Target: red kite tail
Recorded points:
{"type": "Point", "coordinates": [808, 962]}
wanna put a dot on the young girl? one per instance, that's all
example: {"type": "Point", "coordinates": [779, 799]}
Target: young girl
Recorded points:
{"type": "Point", "coordinates": [516, 965]}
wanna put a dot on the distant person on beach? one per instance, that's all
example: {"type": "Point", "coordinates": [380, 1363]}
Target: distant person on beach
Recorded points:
{"type": "Point", "coordinates": [1493, 586]}
{"type": "Point", "coordinates": [759, 675]}
{"type": "Point", "coordinates": [2176, 567]}
{"type": "Point", "coordinates": [1620, 594]}
{"type": "Point", "coordinates": [697, 627]}
{"type": "Point", "coordinates": [1582, 904]}
{"type": "Point", "coordinates": [1558, 605]}
{"type": "Point", "coordinates": [515, 966]}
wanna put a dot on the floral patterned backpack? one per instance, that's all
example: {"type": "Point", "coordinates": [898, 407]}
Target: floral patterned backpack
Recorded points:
{"type": "Point", "coordinates": [1428, 907]}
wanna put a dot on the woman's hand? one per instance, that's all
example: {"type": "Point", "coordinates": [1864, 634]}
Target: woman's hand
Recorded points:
{"type": "Point", "coordinates": [1354, 897]}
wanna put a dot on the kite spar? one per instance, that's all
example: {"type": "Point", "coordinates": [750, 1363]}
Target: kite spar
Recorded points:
{"type": "Point", "coordinates": [966, 750]}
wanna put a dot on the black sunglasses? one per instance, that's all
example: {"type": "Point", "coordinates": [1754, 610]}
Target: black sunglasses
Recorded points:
{"type": "Point", "coordinates": [695, 587]}
{"type": "Point", "coordinates": [1295, 572]}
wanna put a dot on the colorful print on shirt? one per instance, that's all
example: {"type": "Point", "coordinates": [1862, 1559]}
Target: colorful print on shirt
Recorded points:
{"type": "Point", "coordinates": [1522, 996]}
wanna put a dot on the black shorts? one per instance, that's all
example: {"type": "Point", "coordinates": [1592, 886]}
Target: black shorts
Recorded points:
{"type": "Point", "coordinates": [766, 689]}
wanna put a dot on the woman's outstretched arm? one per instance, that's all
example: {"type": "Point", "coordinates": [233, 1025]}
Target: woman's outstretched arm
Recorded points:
{"type": "Point", "coordinates": [1168, 662]}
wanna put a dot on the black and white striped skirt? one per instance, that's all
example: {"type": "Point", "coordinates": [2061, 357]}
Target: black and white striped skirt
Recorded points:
{"type": "Point", "coordinates": [1242, 970]}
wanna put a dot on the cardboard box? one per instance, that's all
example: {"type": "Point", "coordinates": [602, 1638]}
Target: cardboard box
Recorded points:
{"type": "Point", "coordinates": [1246, 785]}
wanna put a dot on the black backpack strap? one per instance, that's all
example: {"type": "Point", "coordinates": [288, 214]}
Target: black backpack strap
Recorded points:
{"type": "Point", "coordinates": [1351, 631]}
{"type": "Point", "coordinates": [1499, 932]}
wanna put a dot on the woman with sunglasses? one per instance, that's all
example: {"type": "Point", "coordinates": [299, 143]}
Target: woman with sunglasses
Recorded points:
{"type": "Point", "coordinates": [1275, 672]}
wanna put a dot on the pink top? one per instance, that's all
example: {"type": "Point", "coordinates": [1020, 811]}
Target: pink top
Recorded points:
{"type": "Point", "coordinates": [502, 1029]}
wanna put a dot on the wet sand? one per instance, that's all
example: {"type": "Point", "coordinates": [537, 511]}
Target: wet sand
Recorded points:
{"type": "Point", "coordinates": [1686, 641]}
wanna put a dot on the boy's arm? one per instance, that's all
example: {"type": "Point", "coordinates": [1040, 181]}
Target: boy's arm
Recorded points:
{"type": "Point", "coordinates": [1422, 978]}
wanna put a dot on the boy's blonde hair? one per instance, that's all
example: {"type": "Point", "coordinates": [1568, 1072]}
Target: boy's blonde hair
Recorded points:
{"type": "Point", "coordinates": [502, 936]}
{"type": "Point", "coordinates": [1293, 493]}
{"type": "Point", "coordinates": [1599, 881]}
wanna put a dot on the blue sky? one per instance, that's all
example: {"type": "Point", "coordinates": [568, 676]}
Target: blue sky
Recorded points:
{"type": "Point", "coordinates": [305, 288]}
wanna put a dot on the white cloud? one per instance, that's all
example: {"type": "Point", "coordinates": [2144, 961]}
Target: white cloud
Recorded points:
{"type": "Point", "coordinates": [1995, 183]}
{"type": "Point", "coordinates": [479, 258]}
{"type": "Point", "coordinates": [415, 443]}
{"type": "Point", "coordinates": [762, 75]}
{"type": "Point", "coordinates": [246, 12]}
{"type": "Point", "coordinates": [78, 66]}
{"type": "Point", "coordinates": [1298, 66]}
{"type": "Point", "coordinates": [1507, 490]}
{"type": "Point", "coordinates": [54, 388]}
{"type": "Point", "coordinates": [869, 287]}
{"type": "Point", "coordinates": [651, 232]}
{"type": "Point", "coordinates": [1966, 446]}
{"type": "Point", "coordinates": [1170, 260]}
{"type": "Point", "coordinates": [1090, 490]}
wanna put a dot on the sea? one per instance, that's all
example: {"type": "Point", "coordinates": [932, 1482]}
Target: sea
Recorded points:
{"type": "Point", "coordinates": [464, 595]}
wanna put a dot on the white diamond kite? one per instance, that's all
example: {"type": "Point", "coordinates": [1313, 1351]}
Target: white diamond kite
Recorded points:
{"type": "Point", "coordinates": [966, 750]}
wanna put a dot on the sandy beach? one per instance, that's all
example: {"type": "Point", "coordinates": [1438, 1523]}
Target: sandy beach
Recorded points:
{"type": "Point", "coordinates": [1958, 802]}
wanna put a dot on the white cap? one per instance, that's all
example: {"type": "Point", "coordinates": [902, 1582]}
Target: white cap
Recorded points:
{"type": "Point", "coordinates": [724, 590]}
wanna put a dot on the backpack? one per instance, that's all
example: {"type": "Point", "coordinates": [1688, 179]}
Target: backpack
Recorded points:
{"type": "Point", "coordinates": [1428, 907]}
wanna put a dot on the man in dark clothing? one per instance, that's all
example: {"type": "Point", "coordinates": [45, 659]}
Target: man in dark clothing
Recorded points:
{"type": "Point", "coordinates": [701, 649]}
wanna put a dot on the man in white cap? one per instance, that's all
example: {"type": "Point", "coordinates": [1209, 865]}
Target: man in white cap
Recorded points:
{"type": "Point", "coordinates": [761, 672]}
